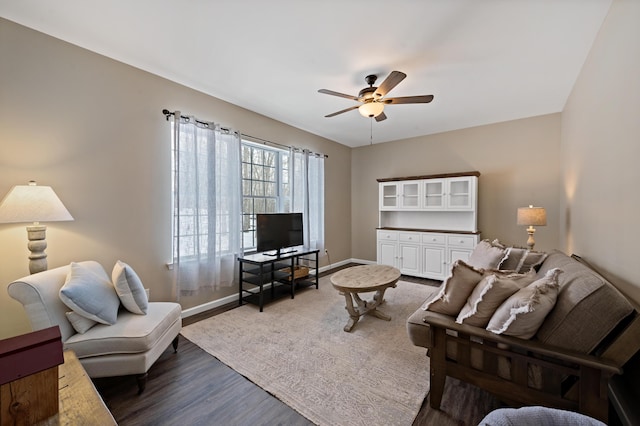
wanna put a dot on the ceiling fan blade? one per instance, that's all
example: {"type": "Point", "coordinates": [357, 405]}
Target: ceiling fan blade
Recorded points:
{"type": "Point", "coordinates": [389, 83]}
{"type": "Point", "coordinates": [409, 100]}
{"type": "Point", "coordinates": [344, 110]}
{"type": "Point", "coordinates": [381, 117]}
{"type": "Point", "coordinates": [342, 95]}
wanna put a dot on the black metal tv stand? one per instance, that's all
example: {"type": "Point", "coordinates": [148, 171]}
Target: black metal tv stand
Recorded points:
{"type": "Point", "coordinates": [278, 253]}
{"type": "Point", "coordinates": [279, 271]}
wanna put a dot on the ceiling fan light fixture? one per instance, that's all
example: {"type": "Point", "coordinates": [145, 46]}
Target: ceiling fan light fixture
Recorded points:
{"type": "Point", "coordinates": [371, 109]}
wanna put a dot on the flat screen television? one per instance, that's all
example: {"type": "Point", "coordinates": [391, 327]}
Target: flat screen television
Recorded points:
{"type": "Point", "coordinates": [277, 231]}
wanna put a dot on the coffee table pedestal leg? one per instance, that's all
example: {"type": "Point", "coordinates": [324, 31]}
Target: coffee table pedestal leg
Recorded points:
{"type": "Point", "coordinates": [358, 307]}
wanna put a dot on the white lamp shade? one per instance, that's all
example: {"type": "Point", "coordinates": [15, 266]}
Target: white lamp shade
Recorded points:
{"type": "Point", "coordinates": [371, 109]}
{"type": "Point", "coordinates": [532, 216]}
{"type": "Point", "coordinates": [32, 203]}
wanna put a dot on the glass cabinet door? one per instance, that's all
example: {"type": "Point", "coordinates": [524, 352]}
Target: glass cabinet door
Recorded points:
{"type": "Point", "coordinates": [388, 196]}
{"type": "Point", "coordinates": [459, 196]}
{"type": "Point", "coordinates": [433, 191]}
{"type": "Point", "coordinates": [410, 195]}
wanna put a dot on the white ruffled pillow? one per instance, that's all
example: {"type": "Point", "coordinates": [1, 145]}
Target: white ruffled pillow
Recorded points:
{"type": "Point", "coordinates": [455, 290]}
{"type": "Point", "coordinates": [489, 294]}
{"type": "Point", "coordinates": [524, 312]}
{"type": "Point", "coordinates": [487, 255]}
{"type": "Point", "coordinates": [129, 288]}
{"type": "Point", "coordinates": [90, 295]}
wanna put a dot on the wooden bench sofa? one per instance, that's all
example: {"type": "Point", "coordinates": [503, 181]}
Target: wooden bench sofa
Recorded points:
{"type": "Point", "coordinates": [586, 339]}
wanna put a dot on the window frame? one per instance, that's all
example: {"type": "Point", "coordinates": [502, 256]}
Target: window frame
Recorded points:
{"type": "Point", "coordinates": [282, 197]}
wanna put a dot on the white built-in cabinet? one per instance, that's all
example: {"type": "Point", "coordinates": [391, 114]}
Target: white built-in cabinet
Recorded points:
{"type": "Point", "coordinates": [427, 222]}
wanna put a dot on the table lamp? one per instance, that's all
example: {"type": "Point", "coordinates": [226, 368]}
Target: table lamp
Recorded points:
{"type": "Point", "coordinates": [532, 216]}
{"type": "Point", "coordinates": [33, 203]}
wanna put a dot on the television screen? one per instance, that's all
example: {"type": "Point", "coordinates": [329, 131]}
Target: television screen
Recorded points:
{"type": "Point", "coordinates": [275, 231]}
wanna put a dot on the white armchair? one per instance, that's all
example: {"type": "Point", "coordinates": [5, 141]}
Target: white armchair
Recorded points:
{"type": "Point", "coordinates": [128, 347]}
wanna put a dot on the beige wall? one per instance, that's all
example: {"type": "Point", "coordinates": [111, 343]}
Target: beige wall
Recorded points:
{"type": "Point", "coordinates": [601, 151]}
{"type": "Point", "coordinates": [92, 128]}
{"type": "Point", "coordinates": [519, 165]}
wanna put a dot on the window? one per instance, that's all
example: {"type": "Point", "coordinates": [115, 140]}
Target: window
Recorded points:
{"type": "Point", "coordinates": [265, 186]}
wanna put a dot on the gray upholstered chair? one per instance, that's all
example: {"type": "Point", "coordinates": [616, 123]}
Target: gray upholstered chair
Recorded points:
{"type": "Point", "coordinates": [129, 347]}
{"type": "Point", "coordinates": [535, 416]}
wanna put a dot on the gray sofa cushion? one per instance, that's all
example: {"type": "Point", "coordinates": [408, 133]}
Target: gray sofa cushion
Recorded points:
{"type": "Point", "coordinates": [584, 297]}
{"type": "Point", "coordinates": [419, 332]}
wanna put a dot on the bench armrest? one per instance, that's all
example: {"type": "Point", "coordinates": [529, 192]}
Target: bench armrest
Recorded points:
{"type": "Point", "coordinates": [443, 321]}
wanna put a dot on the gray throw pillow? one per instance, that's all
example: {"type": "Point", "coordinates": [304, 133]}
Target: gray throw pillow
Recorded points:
{"type": "Point", "coordinates": [487, 255]}
{"type": "Point", "coordinates": [455, 290]}
{"type": "Point", "coordinates": [90, 295]}
{"type": "Point", "coordinates": [129, 288]}
{"type": "Point", "coordinates": [522, 314]}
{"type": "Point", "coordinates": [489, 294]}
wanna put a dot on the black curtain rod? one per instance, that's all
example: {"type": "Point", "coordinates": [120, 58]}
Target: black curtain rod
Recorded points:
{"type": "Point", "coordinates": [167, 113]}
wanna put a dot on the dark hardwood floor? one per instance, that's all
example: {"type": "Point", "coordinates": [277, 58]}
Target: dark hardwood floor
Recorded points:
{"type": "Point", "coordinates": [191, 387]}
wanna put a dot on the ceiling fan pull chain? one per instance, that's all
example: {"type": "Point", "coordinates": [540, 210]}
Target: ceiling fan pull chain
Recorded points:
{"type": "Point", "coordinates": [371, 131]}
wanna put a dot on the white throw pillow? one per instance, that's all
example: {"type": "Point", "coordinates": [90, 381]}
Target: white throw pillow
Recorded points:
{"type": "Point", "coordinates": [90, 295]}
{"type": "Point", "coordinates": [524, 312]}
{"type": "Point", "coordinates": [129, 288]}
{"type": "Point", "coordinates": [80, 323]}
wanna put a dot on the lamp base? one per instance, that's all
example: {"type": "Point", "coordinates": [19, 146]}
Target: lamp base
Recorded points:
{"type": "Point", "coordinates": [36, 245]}
{"type": "Point", "coordinates": [530, 241]}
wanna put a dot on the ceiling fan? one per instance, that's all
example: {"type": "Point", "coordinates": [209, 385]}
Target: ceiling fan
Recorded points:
{"type": "Point", "coordinates": [373, 98]}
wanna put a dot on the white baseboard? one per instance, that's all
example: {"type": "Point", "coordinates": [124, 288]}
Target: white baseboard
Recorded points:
{"type": "Point", "coordinates": [209, 305]}
{"type": "Point", "coordinates": [234, 297]}
{"type": "Point", "coordinates": [362, 261]}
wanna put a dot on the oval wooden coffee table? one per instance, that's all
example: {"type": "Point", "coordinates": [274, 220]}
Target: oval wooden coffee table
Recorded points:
{"type": "Point", "coordinates": [362, 279]}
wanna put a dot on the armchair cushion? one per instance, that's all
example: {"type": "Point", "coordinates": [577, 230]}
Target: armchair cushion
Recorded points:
{"type": "Point", "coordinates": [90, 293]}
{"type": "Point", "coordinates": [131, 334]}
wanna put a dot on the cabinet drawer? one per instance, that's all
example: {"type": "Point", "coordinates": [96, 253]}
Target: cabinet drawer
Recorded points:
{"type": "Point", "coordinates": [410, 237]}
{"type": "Point", "coordinates": [388, 235]}
{"type": "Point", "coordinates": [465, 241]}
{"type": "Point", "coordinates": [433, 239]}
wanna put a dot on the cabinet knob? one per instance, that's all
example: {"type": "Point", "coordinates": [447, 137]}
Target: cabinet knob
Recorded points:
{"type": "Point", "coordinates": [461, 241]}
{"type": "Point", "coordinates": [433, 239]}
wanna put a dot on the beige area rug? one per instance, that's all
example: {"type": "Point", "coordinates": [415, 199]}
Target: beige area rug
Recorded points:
{"type": "Point", "coordinates": [297, 350]}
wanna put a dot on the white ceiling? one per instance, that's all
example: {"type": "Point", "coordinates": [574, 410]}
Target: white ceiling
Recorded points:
{"type": "Point", "coordinates": [485, 61]}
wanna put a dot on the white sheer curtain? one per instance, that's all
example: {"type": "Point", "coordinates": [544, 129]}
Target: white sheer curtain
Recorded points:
{"type": "Point", "coordinates": [307, 189]}
{"type": "Point", "coordinates": [206, 205]}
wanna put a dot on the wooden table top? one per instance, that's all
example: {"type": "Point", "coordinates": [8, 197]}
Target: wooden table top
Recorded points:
{"type": "Point", "coordinates": [365, 278]}
{"type": "Point", "coordinates": [80, 403]}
